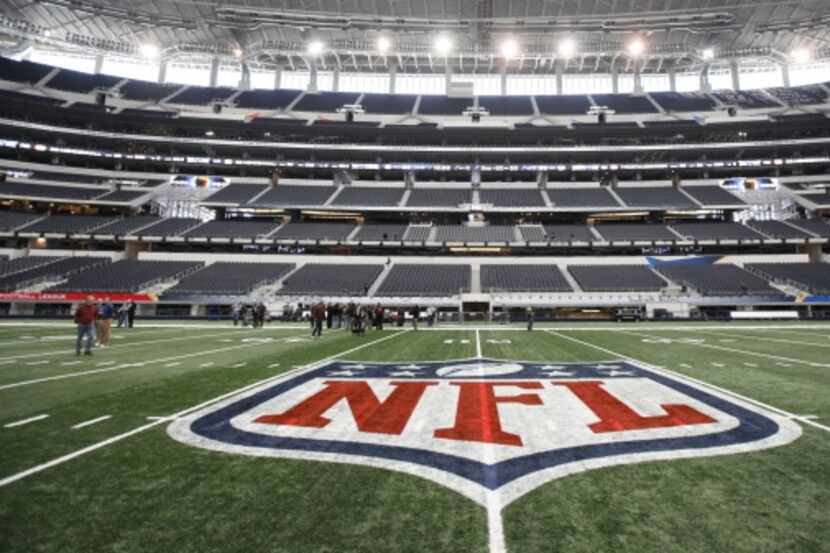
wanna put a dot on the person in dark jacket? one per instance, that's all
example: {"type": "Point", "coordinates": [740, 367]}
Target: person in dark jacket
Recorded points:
{"type": "Point", "coordinates": [85, 317]}
{"type": "Point", "coordinates": [131, 314]}
{"type": "Point", "coordinates": [318, 313]}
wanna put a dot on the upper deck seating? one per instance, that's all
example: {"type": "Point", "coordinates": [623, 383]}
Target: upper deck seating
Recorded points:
{"type": "Point", "coordinates": [616, 278]}
{"type": "Point", "coordinates": [524, 278]}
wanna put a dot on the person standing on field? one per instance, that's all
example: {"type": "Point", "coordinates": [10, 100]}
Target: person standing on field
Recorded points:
{"type": "Point", "coordinates": [131, 314]}
{"type": "Point", "coordinates": [106, 313]}
{"type": "Point", "coordinates": [85, 317]}
{"type": "Point", "coordinates": [318, 313]}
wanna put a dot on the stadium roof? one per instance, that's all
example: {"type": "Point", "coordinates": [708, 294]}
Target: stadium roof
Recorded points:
{"type": "Point", "coordinates": [680, 33]}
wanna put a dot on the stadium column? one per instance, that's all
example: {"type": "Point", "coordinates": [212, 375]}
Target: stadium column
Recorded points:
{"type": "Point", "coordinates": [278, 77]}
{"type": "Point", "coordinates": [503, 78]}
{"type": "Point", "coordinates": [335, 79]}
{"type": "Point", "coordinates": [393, 77]}
{"type": "Point", "coordinates": [99, 63]}
{"type": "Point", "coordinates": [162, 72]}
{"type": "Point", "coordinates": [785, 75]}
{"type": "Point", "coordinates": [214, 71]}
{"type": "Point", "coordinates": [734, 72]}
{"type": "Point", "coordinates": [615, 80]}
{"type": "Point", "coordinates": [638, 78]}
{"type": "Point", "coordinates": [559, 67]}
{"type": "Point", "coordinates": [705, 86]}
{"type": "Point", "coordinates": [672, 79]}
{"type": "Point", "coordinates": [312, 76]}
{"type": "Point", "coordinates": [447, 76]}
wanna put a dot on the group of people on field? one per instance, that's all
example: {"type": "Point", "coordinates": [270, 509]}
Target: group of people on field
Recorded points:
{"type": "Point", "coordinates": [254, 315]}
{"type": "Point", "coordinates": [94, 322]}
{"type": "Point", "coordinates": [359, 318]}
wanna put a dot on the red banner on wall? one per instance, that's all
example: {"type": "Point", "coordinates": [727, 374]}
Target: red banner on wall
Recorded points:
{"type": "Point", "coordinates": [73, 297]}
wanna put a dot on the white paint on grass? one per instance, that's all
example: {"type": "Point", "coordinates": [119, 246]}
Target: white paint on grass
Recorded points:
{"type": "Point", "coordinates": [91, 422]}
{"type": "Point", "coordinates": [30, 363]}
{"type": "Point", "coordinates": [273, 365]}
{"type": "Point", "coordinates": [115, 439]}
{"type": "Point", "coordinates": [25, 421]}
{"type": "Point", "coordinates": [237, 365]}
{"type": "Point", "coordinates": [478, 345]}
{"type": "Point", "coordinates": [208, 364]}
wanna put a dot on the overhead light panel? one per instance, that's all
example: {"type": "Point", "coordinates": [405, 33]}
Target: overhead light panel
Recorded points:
{"type": "Point", "coordinates": [801, 55]}
{"type": "Point", "coordinates": [149, 51]}
{"type": "Point", "coordinates": [509, 48]}
{"type": "Point", "coordinates": [636, 47]}
{"type": "Point", "coordinates": [384, 44]}
{"type": "Point", "coordinates": [567, 48]}
{"type": "Point", "coordinates": [443, 45]}
{"type": "Point", "coordinates": [315, 48]}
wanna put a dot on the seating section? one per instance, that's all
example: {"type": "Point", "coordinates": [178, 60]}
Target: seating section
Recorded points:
{"type": "Point", "coordinates": [314, 231]}
{"type": "Point", "coordinates": [325, 101]}
{"type": "Point", "coordinates": [229, 278]}
{"type": "Point", "coordinates": [800, 95]}
{"type": "Point", "coordinates": [235, 194]}
{"type": "Point", "coordinates": [171, 226]}
{"type": "Point", "coordinates": [635, 231]}
{"type": "Point", "coordinates": [713, 196]}
{"type": "Point", "coordinates": [505, 197]}
{"type": "Point", "coordinates": [294, 196]}
{"type": "Point", "coordinates": [332, 279]}
{"type": "Point", "coordinates": [127, 225]}
{"type": "Point", "coordinates": [654, 197]}
{"type": "Point", "coordinates": [459, 233]}
{"type": "Point", "coordinates": [813, 277]}
{"type": "Point", "coordinates": [523, 278]}
{"type": "Point", "coordinates": [443, 105]}
{"type": "Point", "coordinates": [417, 233]}
{"type": "Point", "coordinates": [569, 233]}
{"type": "Point", "coordinates": [623, 104]}
{"type": "Point", "coordinates": [68, 224]}
{"type": "Point", "coordinates": [718, 280]}
{"type": "Point", "coordinates": [533, 233]}
{"type": "Point", "coordinates": [23, 71]}
{"type": "Point", "coordinates": [425, 280]}
{"type": "Point", "coordinates": [510, 106]}
{"type": "Point", "coordinates": [20, 264]}
{"type": "Point", "coordinates": [683, 101]}
{"type": "Point", "coordinates": [122, 196]}
{"type": "Point", "coordinates": [369, 197]}
{"type": "Point", "coordinates": [48, 192]}
{"type": "Point", "coordinates": [233, 229]}
{"type": "Point", "coordinates": [380, 233]}
{"type": "Point", "coordinates": [129, 275]}
{"type": "Point", "coordinates": [81, 83]}
{"type": "Point", "coordinates": [438, 197]}
{"type": "Point", "coordinates": [581, 198]}
{"type": "Point", "coordinates": [821, 200]}
{"type": "Point", "coordinates": [716, 231]}
{"type": "Point", "coordinates": [266, 99]}
{"type": "Point", "coordinates": [778, 229]}
{"type": "Point", "coordinates": [388, 104]}
{"type": "Point", "coordinates": [818, 227]}
{"type": "Point", "coordinates": [145, 91]}
{"type": "Point", "coordinates": [12, 220]}
{"type": "Point", "coordinates": [60, 269]}
{"type": "Point", "coordinates": [202, 96]}
{"type": "Point", "coordinates": [747, 99]}
{"type": "Point", "coordinates": [616, 278]}
{"type": "Point", "coordinates": [563, 105]}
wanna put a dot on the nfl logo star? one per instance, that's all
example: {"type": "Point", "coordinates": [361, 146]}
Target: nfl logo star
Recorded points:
{"type": "Point", "coordinates": [485, 426]}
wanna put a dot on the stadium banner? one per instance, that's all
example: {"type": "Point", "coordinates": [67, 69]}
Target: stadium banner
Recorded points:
{"type": "Point", "coordinates": [72, 297]}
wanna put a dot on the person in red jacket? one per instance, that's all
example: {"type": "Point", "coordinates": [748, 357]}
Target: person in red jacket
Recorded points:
{"type": "Point", "coordinates": [318, 314]}
{"type": "Point", "coordinates": [85, 317]}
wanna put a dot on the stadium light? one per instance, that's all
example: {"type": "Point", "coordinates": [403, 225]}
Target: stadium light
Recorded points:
{"type": "Point", "coordinates": [149, 51]}
{"type": "Point", "coordinates": [567, 48]}
{"type": "Point", "coordinates": [237, 52]}
{"type": "Point", "coordinates": [443, 45]}
{"type": "Point", "coordinates": [384, 44]}
{"type": "Point", "coordinates": [509, 48]}
{"type": "Point", "coordinates": [801, 55]}
{"type": "Point", "coordinates": [708, 54]}
{"type": "Point", "coordinates": [636, 47]}
{"type": "Point", "coordinates": [315, 48]}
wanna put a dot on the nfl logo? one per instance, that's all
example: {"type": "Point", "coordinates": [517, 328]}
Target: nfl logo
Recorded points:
{"type": "Point", "coordinates": [484, 426]}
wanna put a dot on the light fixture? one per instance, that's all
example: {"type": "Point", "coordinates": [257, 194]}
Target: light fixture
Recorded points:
{"type": "Point", "coordinates": [567, 48]}
{"type": "Point", "coordinates": [801, 55]}
{"type": "Point", "coordinates": [384, 44]}
{"type": "Point", "coordinates": [636, 47]}
{"type": "Point", "coordinates": [509, 48]}
{"type": "Point", "coordinates": [707, 54]}
{"type": "Point", "coordinates": [149, 51]}
{"type": "Point", "coordinates": [237, 52]}
{"type": "Point", "coordinates": [315, 48]}
{"type": "Point", "coordinates": [443, 45]}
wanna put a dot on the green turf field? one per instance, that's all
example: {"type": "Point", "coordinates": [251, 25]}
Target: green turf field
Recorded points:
{"type": "Point", "coordinates": [119, 482]}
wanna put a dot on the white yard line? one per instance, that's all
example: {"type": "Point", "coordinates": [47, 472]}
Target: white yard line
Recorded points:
{"type": "Point", "coordinates": [478, 345]}
{"type": "Point", "coordinates": [735, 350]}
{"type": "Point", "coordinates": [172, 361]}
{"type": "Point", "coordinates": [37, 363]}
{"type": "Point", "coordinates": [91, 422]}
{"type": "Point", "coordinates": [146, 324]}
{"type": "Point", "coordinates": [25, 421]}
{"type": "Point", "coordinates": [736, 395]}
{"type": "Point", "coordinates": [769, 339]}
{"type": "Point", "coordinates": [89, 449]}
